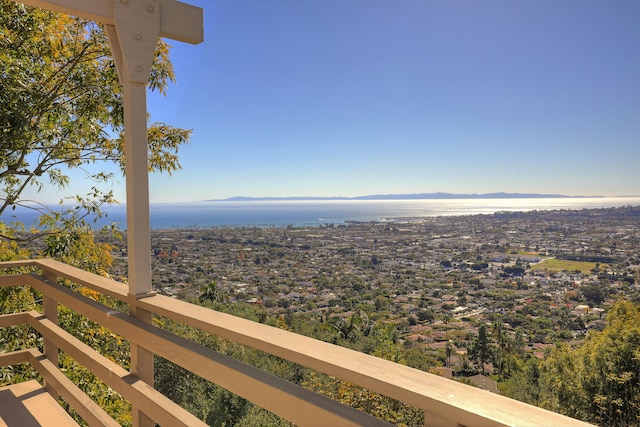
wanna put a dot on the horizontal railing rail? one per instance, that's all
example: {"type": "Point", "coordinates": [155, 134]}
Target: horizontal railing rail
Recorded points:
{"type": "Point", "coordinates": [445, 403]}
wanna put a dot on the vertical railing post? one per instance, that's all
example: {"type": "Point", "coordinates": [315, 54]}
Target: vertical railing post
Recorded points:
{"type": "Point", "coordinates": [50, 311]}
{"type": "Point", "coordinates": [141, 363]}
{"type": "Point", "coordinates": [138, 228]}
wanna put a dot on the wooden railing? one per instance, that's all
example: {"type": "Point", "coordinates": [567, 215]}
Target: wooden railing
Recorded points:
{"type": "Point", "coordinates": [445, 403]}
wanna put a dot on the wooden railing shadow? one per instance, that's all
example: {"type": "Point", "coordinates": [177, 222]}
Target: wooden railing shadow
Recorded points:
{"type": "Point", "coordinates": [15, 411]}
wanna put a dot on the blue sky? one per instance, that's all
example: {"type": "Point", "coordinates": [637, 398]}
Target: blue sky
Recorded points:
{"type": "Point", "coordinates": [355, 97]}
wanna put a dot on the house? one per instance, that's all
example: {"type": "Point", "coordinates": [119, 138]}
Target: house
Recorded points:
{"type": "Point", "coordinates": [443, 372]}
{"type": "Point", "coordinates": [484, 383]}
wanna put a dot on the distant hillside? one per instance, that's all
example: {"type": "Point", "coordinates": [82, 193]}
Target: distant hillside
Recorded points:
{"type": "Point", "coordinates": [414, 196]}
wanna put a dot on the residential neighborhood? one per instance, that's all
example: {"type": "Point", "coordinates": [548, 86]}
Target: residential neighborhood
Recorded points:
{"type": "Point", "coordinates": [546, 277]}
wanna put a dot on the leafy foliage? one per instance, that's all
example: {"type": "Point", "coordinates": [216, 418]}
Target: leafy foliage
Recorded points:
{"type": "Point", "coordinates": [9, 248]}
{"type": "Point", "coordinates": [61, 109]}
{"type": "Point", "coordinates": [598, 381]}
{"type": "Point", "coordinates": [365, 400]}
{"type": "Point", "coordinates": [482, 351]}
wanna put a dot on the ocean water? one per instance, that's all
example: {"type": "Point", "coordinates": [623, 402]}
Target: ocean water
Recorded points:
{"type": "Point", "coordinates": [321, 212]}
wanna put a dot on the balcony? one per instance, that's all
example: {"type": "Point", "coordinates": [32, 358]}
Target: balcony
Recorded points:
{"type": "Point", "coordinates": [445, 403]}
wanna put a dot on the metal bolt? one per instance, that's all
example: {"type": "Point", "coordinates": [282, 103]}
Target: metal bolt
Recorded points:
{"type": "Point", "coordinates": [138, 69]}
{"type": "Point", "coordinates": [150, 9]}
{"type": "Point", "coordinates": [138, 36]}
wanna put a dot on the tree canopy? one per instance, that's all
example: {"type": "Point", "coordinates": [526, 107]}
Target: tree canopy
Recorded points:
{"type": "Point", "coordinates": [599, 381]}
{"type": "Point", "coordinates": [61, 109]}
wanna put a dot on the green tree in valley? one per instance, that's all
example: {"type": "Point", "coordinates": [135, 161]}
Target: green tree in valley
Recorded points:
{"type": "Point", "coordinates": [208, 292]}
{"type": "Point", "coordinates": [599, 381]}
{"type": "Point", "coordinates": [593, 293]}
{"type": "Point", "coordinates": [524, 384]}
{"type": "Point", "coordinates": [359, 324]}
{"type": "Point", "coordinates": [508, 350]}
{"type": "Point", "coordinates": [482, 350]}
{"type": "Point", "coordinates": [611, 374]}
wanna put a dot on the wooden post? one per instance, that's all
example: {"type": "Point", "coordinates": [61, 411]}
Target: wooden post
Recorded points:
{"type": "Point", "coordinates": [138, 229]}
{"type": "Point", "coordinates": [137, 28]}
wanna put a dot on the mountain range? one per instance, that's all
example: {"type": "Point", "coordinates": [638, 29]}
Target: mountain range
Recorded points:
{"type": "Point", "coordinates": [412, 196]}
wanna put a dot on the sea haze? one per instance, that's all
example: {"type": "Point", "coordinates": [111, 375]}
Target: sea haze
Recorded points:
{"type": "Point", "coordinates": [281, 213]}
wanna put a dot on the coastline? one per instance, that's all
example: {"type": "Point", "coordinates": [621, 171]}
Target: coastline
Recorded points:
{"type": "Point", "coordinates": [315, 213]}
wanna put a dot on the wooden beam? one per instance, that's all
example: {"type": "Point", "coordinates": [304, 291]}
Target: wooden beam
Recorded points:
{"type": "Point", "coordinates": [100, 284]}
{"type": "Point", "coordinates": [94, 10]}
{"type": "Point", "coordinates": [178, 21]}
{"type": "Point", "coordinates": [181, 21]}
{"type": "Point", "coordinates": [10, 280]}
{"type": "Point", "coordinates": [15, 357]}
